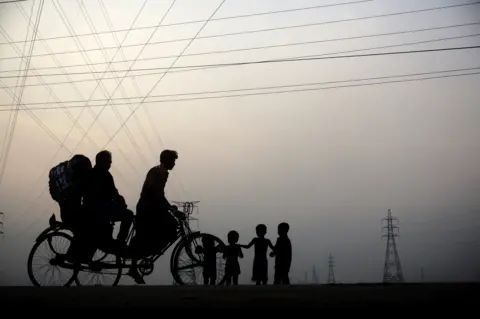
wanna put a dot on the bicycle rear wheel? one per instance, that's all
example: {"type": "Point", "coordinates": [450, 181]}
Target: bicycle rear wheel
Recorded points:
{"type": "Point", "coordinates": [187, 265]}
{"type": "Point", "coordinates": [49, 254]}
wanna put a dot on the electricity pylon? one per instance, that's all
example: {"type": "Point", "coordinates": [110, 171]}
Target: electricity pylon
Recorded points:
{"type": "Point", "coordinates": [392, 271]}
{"type": "Point", "coordinates": [314, 275]}
{"type": "Point", "coordinates": [331, 273]}
{"type": "Point", "coordinates": [1, 225]}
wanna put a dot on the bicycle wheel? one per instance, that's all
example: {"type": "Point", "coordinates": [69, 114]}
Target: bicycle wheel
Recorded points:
{"type": "Point", "coordinates": [52, 251]}
{"type": "Point", "coordinates": [104, 266]}
{"type": "Point", "coordinates": [187, 265]}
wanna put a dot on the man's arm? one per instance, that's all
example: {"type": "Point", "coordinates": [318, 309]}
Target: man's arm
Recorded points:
{"type": "Point", "coordinates": [156, 181]}
{"type": "Point", "coordinates": [112, 189]}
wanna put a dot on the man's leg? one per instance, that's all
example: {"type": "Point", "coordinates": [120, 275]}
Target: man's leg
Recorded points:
{"type": "Point", "coordinates": [126, 218]}
{"type": "Point", "coordinates": [136, 254]}
{"type": "Point", "coordinates": [285, 279]}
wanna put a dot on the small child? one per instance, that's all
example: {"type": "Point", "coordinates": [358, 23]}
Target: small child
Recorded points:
{"type": "Point", "coordinates": [209, 252]}
{"type": "Point", "coordinates": [260, 261]}
{"type": "Point", "coordinates": [283, 255]}
{"type": "Point", "coordinates": [232, 252]}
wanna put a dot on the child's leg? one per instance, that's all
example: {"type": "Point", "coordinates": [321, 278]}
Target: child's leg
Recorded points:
{"type": "Point", "coordinates": [235, 280]}
{"type": "Point", "coordinates": [258, 282]}
{"type": "Point", "coordinates": [277, 278]}
{"type": "Point", "coordinates": [228, 280]}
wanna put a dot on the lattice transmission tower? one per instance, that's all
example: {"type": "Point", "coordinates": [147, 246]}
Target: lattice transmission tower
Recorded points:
{"type": "Point", "coordinates": [392, 271]}
{"type": "Point", "coordinates": [314, 275]}
{"type": "Point", "coordinates": [331, 273]}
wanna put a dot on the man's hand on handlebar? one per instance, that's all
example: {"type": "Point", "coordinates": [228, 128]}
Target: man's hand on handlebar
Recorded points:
{"type": "Point", "coordinates": [178, 214]}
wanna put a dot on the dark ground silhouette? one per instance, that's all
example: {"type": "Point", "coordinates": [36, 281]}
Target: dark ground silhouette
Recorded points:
{"type": "Point", "coordinates": [396, 297]}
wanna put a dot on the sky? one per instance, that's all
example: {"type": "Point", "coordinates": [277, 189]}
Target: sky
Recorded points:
{"type": "Point", "coordinates": [263, 142]}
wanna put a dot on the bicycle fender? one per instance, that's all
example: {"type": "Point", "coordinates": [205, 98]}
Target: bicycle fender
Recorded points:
{"type": "Point", "coordinates": [44, 234]}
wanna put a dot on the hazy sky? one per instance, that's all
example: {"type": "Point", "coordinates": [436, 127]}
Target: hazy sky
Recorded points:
{"type": "Point", "coordinates": [330, 162]}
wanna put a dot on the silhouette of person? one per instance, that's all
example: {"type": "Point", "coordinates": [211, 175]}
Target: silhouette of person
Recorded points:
{"type": "Point", "coordinates": [155, 225]}
{"type": "Point", "coordinates": [283, 255]}
{"type": "Point", "coordinates": [209, 251]}
{"type": "Point", "coordinates": [102, 197]}
{"type": "Point", "coordinates": [260, 261]}
{"type": "Point", "coordinates": [232, 252]}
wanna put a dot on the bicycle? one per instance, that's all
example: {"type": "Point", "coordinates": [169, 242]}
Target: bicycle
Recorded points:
{"type": "Point", "coordinates": [186, 239]}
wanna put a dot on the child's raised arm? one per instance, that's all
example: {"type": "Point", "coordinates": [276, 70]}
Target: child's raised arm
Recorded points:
{"type": "Point", "coordinates": [249, 245]}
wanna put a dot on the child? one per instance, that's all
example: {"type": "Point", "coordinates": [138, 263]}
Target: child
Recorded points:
{"type": "Point", "coordinates": [209, 252]}
{"type": "Point", "coordinates": [283, 255]}
{"type": "Point", "coordinates": [260, 261]}
{"type": "Point", "coordinates": [231, 253]}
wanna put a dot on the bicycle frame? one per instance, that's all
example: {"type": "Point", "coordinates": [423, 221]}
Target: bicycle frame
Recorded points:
{"type": "Point", "coordinates": [184, 232]}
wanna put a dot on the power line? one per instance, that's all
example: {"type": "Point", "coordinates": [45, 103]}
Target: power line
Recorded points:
{"type": "Point", "coordinates": [13, 1]}
{"type": "Point", "coordinates": [293, 59]}
{"type": "Point", "coordinates": [200, 21]}
{"type": "Point", "coordinates": [245, 89]}
{"type": "Point", "coordinates": [79, 45]}
{"type": "Point", "coordinates": [265, 30]}
{"type": "Point", "coordinates": [207, 68]}
{"type": "Point", "coordinates": [135, 85]}
{"type": "Point", "coordinates": [22, 88]}
{"type": "Point", "coordinates": [265, 47]}
{"type": "Point", "coordinates": [163, 76]}
{"type": "Point", "coordinates": [138, 55]}
{"type": "Point", "coordinates": [267, 93]}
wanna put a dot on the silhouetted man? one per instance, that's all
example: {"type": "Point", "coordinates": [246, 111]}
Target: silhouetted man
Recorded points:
{"type": "Point", "coordinates": [102, 196]}
{"type": "Point", "coordinates": [155, 225]}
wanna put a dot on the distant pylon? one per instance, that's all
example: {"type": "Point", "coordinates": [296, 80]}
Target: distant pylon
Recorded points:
{"type": "Point", "coordinates": [1, 225]}
{"type": "Point", "coordinates": [392, 271]}
{"type": "Point", "coordinates": [314, 275]}
{"type": "Point", "coordinates": [331, 273]}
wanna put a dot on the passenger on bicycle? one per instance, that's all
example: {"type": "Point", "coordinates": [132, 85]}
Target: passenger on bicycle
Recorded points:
{"type": "Point", "coordinates": [103, 199]}
{"type": "Point", "coordinates": [155, 225]}
{"type": "Point", "coordinates": [66, 186]}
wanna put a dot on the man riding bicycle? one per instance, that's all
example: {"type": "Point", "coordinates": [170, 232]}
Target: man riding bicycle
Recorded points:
{"type": "Point", "coordinates": [155, 225]}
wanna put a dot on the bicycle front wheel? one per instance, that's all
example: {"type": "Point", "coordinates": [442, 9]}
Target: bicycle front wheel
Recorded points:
{"type": "Point", "coordinates": [187, 265]}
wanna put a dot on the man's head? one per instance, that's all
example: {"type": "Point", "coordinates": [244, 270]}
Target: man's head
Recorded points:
{"type": "Point", "coordinates": [103, 160]}
{"type": "Point", "coordinates": [168, 158]}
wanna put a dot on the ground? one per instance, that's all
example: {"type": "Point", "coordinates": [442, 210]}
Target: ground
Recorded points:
{"type": "Point", "coordinates": [458, 296]}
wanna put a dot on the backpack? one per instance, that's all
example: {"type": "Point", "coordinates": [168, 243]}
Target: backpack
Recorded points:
{"type": "Point", "coordinates": [63, 179]}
